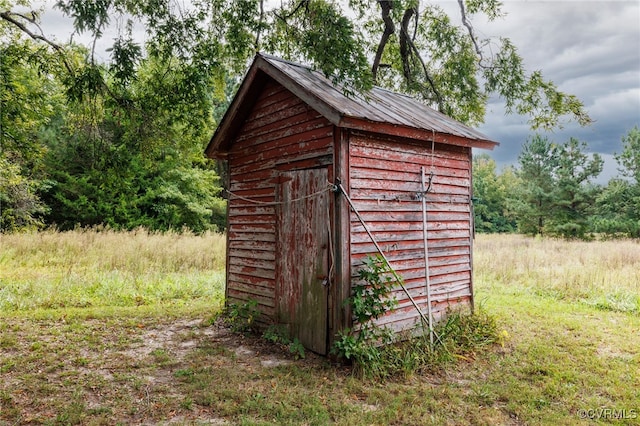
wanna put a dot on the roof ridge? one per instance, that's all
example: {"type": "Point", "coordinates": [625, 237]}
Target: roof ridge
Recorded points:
{"type": "Point", "coordinates": [285, 61]}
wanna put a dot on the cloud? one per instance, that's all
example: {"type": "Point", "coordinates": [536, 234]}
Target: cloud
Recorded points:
{"type": "Point", "coordinates": [588, 48]}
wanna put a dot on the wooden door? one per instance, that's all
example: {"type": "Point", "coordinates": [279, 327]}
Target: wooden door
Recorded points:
{"type": "Point", "coordinates": [302, 271]}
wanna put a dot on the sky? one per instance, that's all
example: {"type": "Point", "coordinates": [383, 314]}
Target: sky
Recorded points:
{"type": "Point", "coordinates": [587, 48]}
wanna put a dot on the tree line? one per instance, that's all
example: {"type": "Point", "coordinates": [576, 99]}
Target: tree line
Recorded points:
{"type": "Point", "coordinates": [551, 191]}
{"type": "Point", "coordinates": [120, 142]}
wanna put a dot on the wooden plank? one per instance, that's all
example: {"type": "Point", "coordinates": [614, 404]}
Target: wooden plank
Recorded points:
{"type": "Point", "coordinates": [432, 198]}
{"type": "Point", "coordinates": [404, 186]}
{"type": "Point", "coordinates": [273, 103]}
{"type": "Point", "coordinates": [415, 259]}
{"type": "Point", "coordinates": [401, 143]}
{"type": "Point", "coordinates": [413, 133]}
{"type": "Point", "coordinates": [321, 144]}
{"type": "Point", "coordinates": [395, 221]}
{"type": "Point", "coordinates": [252, 219]}
{"type": "Point", "coordinates": [275, 117]}
{"type": "Point", "coordinates": [408, 319]}
{"type": "Point", "coordinates": [252, 245]}
{"type": "Point", "coordinates": [369, 174]}
{"type": "Point", "coordinates": [271, 88]}
{"type": "Point", "coordinates": [388, 249]}
{"type": "Point", "coordinates": [253, 254]}
{"type": "Point", "coordinates": [250, 199]}
{"type": "Point", "coordinates": [405, 216]}
{"type": "Point", "coordinates": [266, 293]}
{"type": "Point", "coordinates": [236, 177]}
{"type": "Point", "coordinates": [267, 265]}
{"type": "Point", "coordinates": [405, 246]}
{"type": "Point", "coordinates": [436, 210]}
{"type": "Point", "coordinates": [294, 129]}
{"type": "Point", "coordinates": [449, 269]}
{"type": "Point", "coordinates": [451, 277]}
{"type": "Point", "coordinates": [256, 272]}
{"type": "Point", "coordinates": [273, 94]}
{"type": "Point", "coordinates": [391, 237]}
{"type": "Point", "coordinates": [253, 281]}
{"type": "Point", "coordinates": [409, 266]}
{"type": "Point", "coordinates": [252, 236]}
{"type": "Point", "coordinates": [292, 134]}
{"type": "Point", "coordinates": [440, 165]}
{"type": "Point", "coordinates": [308, 160]}
{"type": "Point", "coordinates": [251, 210]}
{"type": "Point", "coordinates": [472, 236]}
{"type": "Point", "coordinates": [251, 227]}
{"type": "Point", "coordinates": [262, 187]}
{"type": "Point", "coordinates": [245, 296]}
{"type": "Point", "coordinates": [411, 166]}
{"type": "Point", "coordinates": [436, 247]}
{"type": "Point", "coordinates": [361, 250]}
{"type": "Point", "coordinates": [407, 153]}
{"type": "Point", "coordinates": [293, 124]}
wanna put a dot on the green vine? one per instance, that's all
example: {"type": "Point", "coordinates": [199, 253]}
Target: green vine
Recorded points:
{"type": "Point", "coordinates": [369, 301]}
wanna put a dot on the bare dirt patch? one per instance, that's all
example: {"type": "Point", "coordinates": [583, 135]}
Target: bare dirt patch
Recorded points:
{"type": "Point", "coordinates": [88, 372]}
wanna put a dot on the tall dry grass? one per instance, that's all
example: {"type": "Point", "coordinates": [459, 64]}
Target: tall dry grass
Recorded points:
{"type": "Point", "coordinates": [84, 268]}
{"type": "Point", "coordinates": [605, 274]}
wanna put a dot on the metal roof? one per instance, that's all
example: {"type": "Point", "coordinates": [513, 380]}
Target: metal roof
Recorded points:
{"type": "Point", "coordinates": [379, 110]}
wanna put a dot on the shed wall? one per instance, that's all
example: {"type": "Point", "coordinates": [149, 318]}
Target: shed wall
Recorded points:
{"type": "Point", "coordinates": [385, 179]}
{"type": "Point", "coordinates": [280, 134]}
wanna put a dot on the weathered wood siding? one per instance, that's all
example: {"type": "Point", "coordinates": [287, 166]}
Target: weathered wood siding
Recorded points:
{"type": "Point", "coordinates": [385, 181]}
{"type": "Point", "coordinates": [280, 134]}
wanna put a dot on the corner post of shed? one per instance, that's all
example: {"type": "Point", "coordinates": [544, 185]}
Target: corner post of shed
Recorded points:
{"type": "Point", "coordinates": [340, 315]}
{"type": "Point", "coordinates": [472, 230]}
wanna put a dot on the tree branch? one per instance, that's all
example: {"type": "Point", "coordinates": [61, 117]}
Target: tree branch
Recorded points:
{"type": "Point", "coordinates": [11, 18]}
{"type": "Point", "coordinates": [409, 49]}
{"type": "Point", "coordinates": [257, 42]}
{"type": "Point", "coordinates": [293, 12]}
{"type": "Point", "coordinates": [472, 36]}
{"type": "Point", "coordinates": [405, 53]}
{"type": "Point", "coordinates": [389, 28]}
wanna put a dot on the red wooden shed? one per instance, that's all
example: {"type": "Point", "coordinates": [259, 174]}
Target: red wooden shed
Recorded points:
{"type": "Point", "coordinates": [298, 152]}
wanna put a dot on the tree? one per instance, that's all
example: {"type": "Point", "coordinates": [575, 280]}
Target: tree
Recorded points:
{"type": "Point", "coordinates": [629, 158]}
{"type": "Point", "coordinates": [619, 203]}
{"type": "Point", "coordinates": [135, 127]}
{"type": "Point", "coordinates": [134, 164]}
{"type": "Point", "coordinates": [617, 210]}
{"type": "Point", "coordinates": [532, 201]}
{"type": "Point", "coordinates": [416, 48]}
{"type": "Point", "coordinates": [555, 195]}
{"type": "Point", "coordinates": [126, 151]}
{"type": "Point", "coordinates": [573, 193]}
{"type": "Point", "coordinates": [29, 98]}
{"type": "Point", "coordinates": [490, 196]}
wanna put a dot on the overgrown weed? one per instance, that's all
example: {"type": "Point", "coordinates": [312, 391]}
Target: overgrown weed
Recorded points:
{"type": "Point", "coordinates": [89, 268]}
{"type": "Point", "coordinates": [459, 337]}
{"type": "Point", "coordinates": [603, 274]}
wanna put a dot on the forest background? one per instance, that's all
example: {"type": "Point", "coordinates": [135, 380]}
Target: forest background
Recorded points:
{"type": "Point", "coordinates": [119, 143]}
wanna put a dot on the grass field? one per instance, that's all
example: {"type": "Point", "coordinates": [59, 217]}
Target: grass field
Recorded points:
{"type": "Point", "coordinates": [108, 328]}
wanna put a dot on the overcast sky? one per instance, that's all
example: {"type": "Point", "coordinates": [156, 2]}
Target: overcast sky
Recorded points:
{"type": "Point", "coordinates": [588, 48]}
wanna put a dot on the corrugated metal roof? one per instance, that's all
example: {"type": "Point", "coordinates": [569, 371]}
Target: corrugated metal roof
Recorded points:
{"type": "Point", "coordinates": [377, 107]}
{"type": "Point", "coordinates": [380, 105]}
